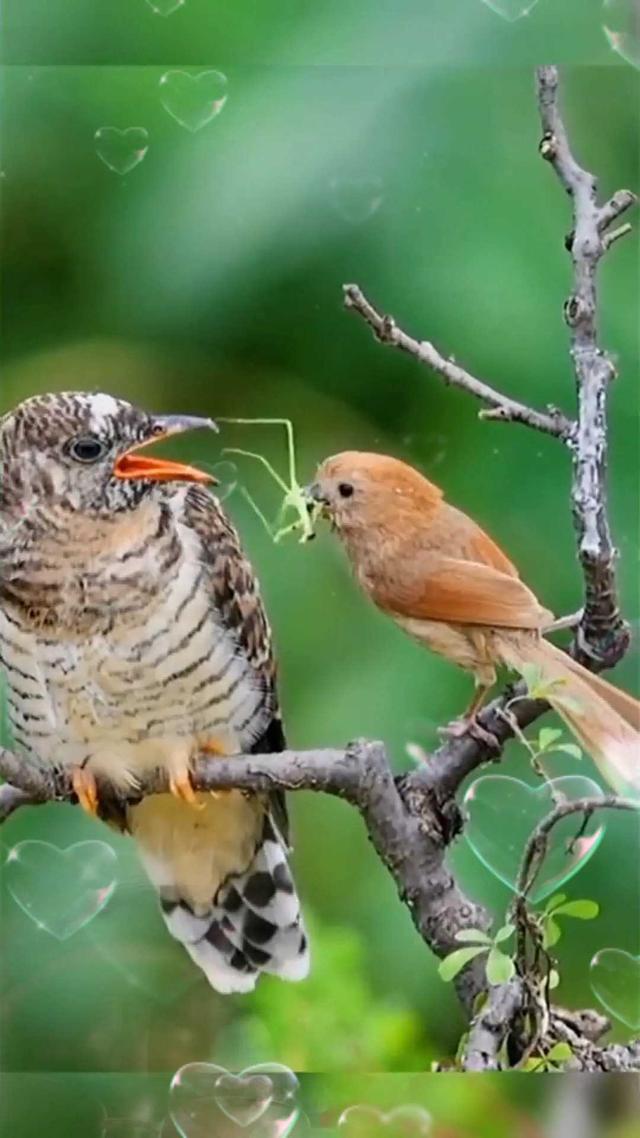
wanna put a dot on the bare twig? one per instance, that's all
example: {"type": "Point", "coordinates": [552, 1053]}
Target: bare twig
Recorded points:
{"type": "Point", "coordinates": [499, 406]}
{"type": "Point", "coordinates": [621, 201]}
{"type": "Point", "coordinates": [602, 633]}
{"type": "Point", "coordinates": [538, 843]}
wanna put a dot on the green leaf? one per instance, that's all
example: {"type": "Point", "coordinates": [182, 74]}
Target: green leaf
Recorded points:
{"type": "Point", "coordinates": [552, 932]}
{"type": "Point", "coordinates": [583, 910]}
{"type": "Point", "coordinates": [455, 961]}
{"type": "Point", "coordinates": [554, 979]}
{"type": "Point", "coordinates": [547, 737]}
{"type": "Point", "coordinates": [559, 1053]}
{"type": "Point", "coordinates": [504, 933]}
{"type": "Point", "coordinates": [533, 1064]}
{"type": "Point", "coordinates": [554, 901]}
{"type": "Point", "coordinates": [570, 749]}
{"type": "Point", "coordinates": [500, 968]}
{"type": "Point", "coordinates": [476, 936]}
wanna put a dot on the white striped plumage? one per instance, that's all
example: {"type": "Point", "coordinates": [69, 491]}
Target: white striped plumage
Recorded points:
{"type": "Point", "coordinates": [157, 674]}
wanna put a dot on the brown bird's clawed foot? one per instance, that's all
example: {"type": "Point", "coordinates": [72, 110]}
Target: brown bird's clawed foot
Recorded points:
{"type": "Point", "coordinates": [181, 787]}
{"type": "Point", "coordinates": [85, 789]}
{"type": "Point", "coordinates": [470, 726]}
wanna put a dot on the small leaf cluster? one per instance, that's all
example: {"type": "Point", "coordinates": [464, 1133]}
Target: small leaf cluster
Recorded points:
{"type": "Point", "coordinates": [557, 906]}
{"type": "Point", "coordinates": [547, 741]}
{"type": "Point", "coordinates": [552, 1060]}
{"type": "Point", "coordinates": [499, 965]}
{"type": "Point", "coordinates": [538, 687]}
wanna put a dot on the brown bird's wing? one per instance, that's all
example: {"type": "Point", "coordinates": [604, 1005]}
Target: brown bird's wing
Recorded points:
{"type": "Point", "coordinates": [463, 538]}
{"type": "Point", "coordinates": [235, 593]}
{"type": "Point", "coordinates": [483, 549]}
{"type": "Point", "coordinates": [462, 592]}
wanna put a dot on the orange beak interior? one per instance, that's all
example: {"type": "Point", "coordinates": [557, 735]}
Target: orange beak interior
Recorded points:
{"type": "Point", "coordinates": [134, 465]}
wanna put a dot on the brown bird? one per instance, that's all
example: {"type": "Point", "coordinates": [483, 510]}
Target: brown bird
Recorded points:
{"type": "Point", "coordinates": [133, 637]}
{"type": "Point", "coordinates": [445, 582]}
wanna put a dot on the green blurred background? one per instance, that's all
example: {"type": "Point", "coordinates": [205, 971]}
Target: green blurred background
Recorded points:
{"type": "Point", "coordinates": [390, 144]}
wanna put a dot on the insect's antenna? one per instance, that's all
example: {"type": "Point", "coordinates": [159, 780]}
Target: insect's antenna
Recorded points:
{"type": "Point", "coordinates": [255, 507]}
{"type": "Point", "coordinates": [287, 424]}
{"type": "Point", "coordinates": [259, 458]}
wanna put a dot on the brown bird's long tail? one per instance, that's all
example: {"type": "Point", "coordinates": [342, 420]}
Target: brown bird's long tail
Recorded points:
{"type": "Point", "coordinates": [604, 719]}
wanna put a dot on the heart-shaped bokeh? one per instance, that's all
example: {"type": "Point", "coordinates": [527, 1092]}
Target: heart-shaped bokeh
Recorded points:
{"type": "Point", "coordinates": [511, 10]}
{"type": "Point", "coordinates": [357, 199]}
{"type": "Point", "coordinates": [503, 813]}
{"type": "Point", "coordinates": [193, 100]}
{"type": "Point", "coordinates": [121, 150]}
{"type": "Point", "coordinates": [615, 981]}
{"type": "Point", "coordinates": [407, 1121]}
{"type": "Point", "coordinates": [207, 1101]}
{"type": "Point", "coordinates": [244, 1098]}
{"type": "Point", "coordinates": [621, 26]}
{"type": "Point", "coordinates": [165, 7]}
{"type": "Point", "coordinates": [61, 890]}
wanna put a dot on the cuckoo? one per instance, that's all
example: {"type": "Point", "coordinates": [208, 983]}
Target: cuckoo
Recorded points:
{"type": "Point", "coordinates": [133, 637]}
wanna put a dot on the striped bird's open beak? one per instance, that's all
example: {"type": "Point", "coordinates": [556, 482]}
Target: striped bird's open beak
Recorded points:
{"type": "Point", "coordinates": [132, 464]}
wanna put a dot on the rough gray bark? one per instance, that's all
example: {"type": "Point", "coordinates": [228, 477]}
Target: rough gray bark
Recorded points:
{"type": "Point", "coordinates": [602, 632]}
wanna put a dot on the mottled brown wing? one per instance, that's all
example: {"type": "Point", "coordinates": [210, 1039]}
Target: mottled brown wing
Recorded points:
{"type": "Point", "coordinates": [463, 592]}
{"type": "Point", "coordinates": [236, 595]}
{"type": "Point", "coordinates": [233, 583]}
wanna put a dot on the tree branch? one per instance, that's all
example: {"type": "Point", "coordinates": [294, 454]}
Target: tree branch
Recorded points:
{"type": "Point", "coordinates": [538, 843]}
{"type": "Point", "coordinates": [407, 830]}
{"type": "Point", "coordinates": [489, 1030]}
{"type": "Point", "coordinates": [500, 406]}
{"type": "Point", "coordinates": [602, 633]}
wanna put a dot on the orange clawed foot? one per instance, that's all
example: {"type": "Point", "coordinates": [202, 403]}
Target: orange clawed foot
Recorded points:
{"type": "Point", "coordinates": [181, 787]}
{"type": "Point", "coordinates": [213, 748]}
{"type": "Point", "coordinates": [85, 789]}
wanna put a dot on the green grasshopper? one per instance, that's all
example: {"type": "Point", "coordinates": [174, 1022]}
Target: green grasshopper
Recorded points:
{"type": "Point", "coordinates": [294, 495]}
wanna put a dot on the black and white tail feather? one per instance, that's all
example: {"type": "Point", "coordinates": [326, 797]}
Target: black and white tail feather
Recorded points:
{"type": "Point", "coordinates": [255, 924]}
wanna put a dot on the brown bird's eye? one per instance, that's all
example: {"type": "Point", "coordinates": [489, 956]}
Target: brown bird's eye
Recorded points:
{"type": "Point", "coordinates": [345, 489]}
{"type": "Point", "coordinates": [86, 448]}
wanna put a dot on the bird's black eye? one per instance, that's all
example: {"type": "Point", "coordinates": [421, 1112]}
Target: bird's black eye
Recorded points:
{"type": "Point", "coordinates": [345, 489]}
{"type": "Point", "coordinates": [86, 448]}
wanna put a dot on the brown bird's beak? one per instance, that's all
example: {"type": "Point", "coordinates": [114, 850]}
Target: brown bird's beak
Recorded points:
{"type": "Point", "coordinates": [314, 496]}
{"type": "Point", "coordinates": [134, 465]}
{"type": "Point", "coordinates": [317, 504]}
